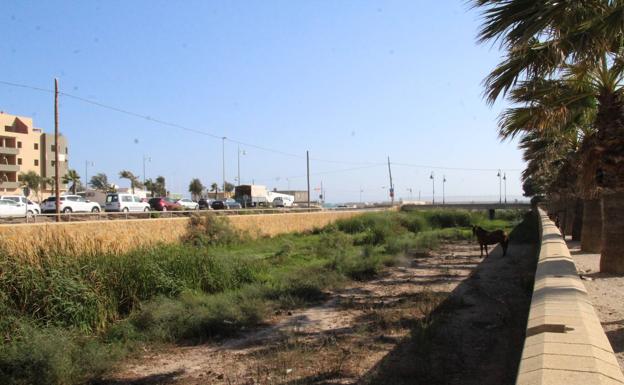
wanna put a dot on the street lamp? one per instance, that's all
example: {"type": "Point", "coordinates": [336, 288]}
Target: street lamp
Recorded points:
{"type": "Point", "coordinates": [505, 180]}
{"type": "Point", "coordinates": [361, 191]}
{"type": "Point", "coordinates": [223, 162]}
{"type": "Point", "coordinates": [410, 191]}
{"type": "Point", "coordinates": [500, 189]}
{"type": "Point", "coordinates": [443, 193]}
{"type": "Point", "coordinates": [145, 159]}
{"type": "Point", "coordinates": [87, 164]}
{"type": "Point", "coordinates": [239, 154]}
{"type": "Point", "coordinates": [432, 177]}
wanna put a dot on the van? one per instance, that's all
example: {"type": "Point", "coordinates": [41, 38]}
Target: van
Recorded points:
{"type": "Point", "coordinates": [121, 202]}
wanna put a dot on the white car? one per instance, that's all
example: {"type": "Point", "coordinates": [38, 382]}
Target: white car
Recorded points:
{"type": "Point", "coordinates": [70, 204]}
{"type": "Point", "coordinates": [32, 209]}
{"type": "Point", "coordinates": [188, 204]}
{"type": "Point", "coordinates": [9, 208]}
{"type": "Point", "coordinates": [125, 203]}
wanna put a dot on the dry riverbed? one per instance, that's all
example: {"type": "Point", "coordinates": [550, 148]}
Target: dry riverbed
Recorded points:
{"type": "Point", "coordinates": [432, 319]}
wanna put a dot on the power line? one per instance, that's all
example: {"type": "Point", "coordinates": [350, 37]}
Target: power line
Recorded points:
{"type": "Point", "coordinates": [240, 142]}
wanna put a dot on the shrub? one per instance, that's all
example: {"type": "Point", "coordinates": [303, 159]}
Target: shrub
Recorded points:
{"type": "Point", "coordinates": [210, 230]}
{"type": "Point", "coordinates": [448, 218]}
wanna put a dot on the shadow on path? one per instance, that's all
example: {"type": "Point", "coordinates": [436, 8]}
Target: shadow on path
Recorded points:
{"type": "Point", "coordinates": [476, 335]}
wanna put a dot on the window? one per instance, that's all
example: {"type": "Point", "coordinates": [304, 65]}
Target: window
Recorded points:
{"type": "Point", "coordinates": [52, 148]}
{"type": "Point", "coordinates": [52, 163]}
{"type": "Point", "coordinates": [66, 150]}
{"type": "Point", "coordinates": [36, 162]}
{"type": "Point", "coordinates": [19, 161]}
{"type": "Point", "coordinates": [19, 144]}
{"type": "Point", "coordinates": [36, 146]}
{"type": "Point", "coordinates": [137, 199]}
{"type": "Point", "coordinates": [126, 198]}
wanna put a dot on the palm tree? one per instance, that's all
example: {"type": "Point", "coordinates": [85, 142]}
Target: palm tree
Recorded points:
{"type": "Point", "coordinates": [73, 178]}
{"type": "Point", "coordinates": [229, 187]}
{"type": "Point", "coordinates": [134, 181]}
{"type": "Point", "coordinates": [214, 187]}
{"type": "Point", "coordinates": [32, 180]}
{"type": "Point", "coordinates": [542, 40]}
{"type": "Point", "coordinates": [161, 187]}
{"type": "Point", "coordinates": [196, 188]}
{"type": "Point", "coordinates": [100, 182]}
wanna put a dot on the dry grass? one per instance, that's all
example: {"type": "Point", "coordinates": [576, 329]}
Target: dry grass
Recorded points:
{"type": "Point", "coordinates": [31, 242]}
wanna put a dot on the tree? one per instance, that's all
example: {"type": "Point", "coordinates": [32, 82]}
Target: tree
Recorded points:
{"type": "Point", "coordinates": [229, 187]}
{"type": "Point", "coordinates": [546, 39]}
{"type": "Point", "coordinates": [100, 182]}
{"type": "Point", "coordinates": [73, 178]}
{"type": "Point", "coordinates": [32, 180]}
{"type": "Point", "coordinates": [214, 187]}
{"type": "Point", "coordinates": [134, 181]}
{"type": "Point", "coordinates": [196, 188]}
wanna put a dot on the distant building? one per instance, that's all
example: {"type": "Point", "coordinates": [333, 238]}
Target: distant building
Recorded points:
{"type": "Point", "coordinates": [301, 196]}
{"type": "Point", "coordinates": [25, 148]}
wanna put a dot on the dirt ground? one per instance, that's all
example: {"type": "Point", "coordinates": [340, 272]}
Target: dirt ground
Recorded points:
{"type": "Point", "coordinates": [607, 295]}
{"type": "Point", "coordinates": [434, 319]}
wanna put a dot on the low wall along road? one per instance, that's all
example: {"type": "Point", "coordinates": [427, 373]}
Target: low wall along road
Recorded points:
{"type": "Point", "coordinates": [119, 236]}
{"type": "Point", "coordinates": [565, 342]}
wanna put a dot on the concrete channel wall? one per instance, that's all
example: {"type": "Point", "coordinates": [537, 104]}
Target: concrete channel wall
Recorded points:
{"type": "Point", "coordinates": [565, 342]}
{"type": "Point", "coordinates": [32, 241]}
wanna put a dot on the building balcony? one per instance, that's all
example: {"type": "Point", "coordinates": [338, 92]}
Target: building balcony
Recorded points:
{"type": "Point", "coordinates": [10, 185]}
{"type": "Point", "coordinates": [9, 150]}
{"type": "Point", "coordinates": [9, 167]}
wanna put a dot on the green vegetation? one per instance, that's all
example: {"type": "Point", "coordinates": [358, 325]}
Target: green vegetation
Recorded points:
{"type": "Point", "coordinates": [65, 319]}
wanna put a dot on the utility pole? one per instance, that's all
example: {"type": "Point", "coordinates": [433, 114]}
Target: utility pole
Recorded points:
{"type": "Point", "coordinates": [443, 193]}
{"type": "Point", "coordinates": [418, 195]}
{"type": "Point", "coordinates": [361, 193]}
{"type": "Point", "coordinates": [308, 174]}
{"type": "Point", "coordinates": [391, 185]}
{"type": "Point", "coordinates": [432, 177]}
{"type": "Point", "coordinates": [223, 162]}
{"type": "Point", "coordinates": [57, 177]}
{"type": "Point", "coordinates": [322, 194]}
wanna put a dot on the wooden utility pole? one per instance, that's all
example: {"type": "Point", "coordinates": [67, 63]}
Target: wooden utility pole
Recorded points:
{"type": "Point", "coordinates": [391, 185]}
{"type": "Point", "coordinates": [308, 174]}
{"type": "Point", "coordinates": [57, 177]}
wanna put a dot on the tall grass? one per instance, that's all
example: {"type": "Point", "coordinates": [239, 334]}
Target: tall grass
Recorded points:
{"type": "Point", "coordinates": [65, 318]}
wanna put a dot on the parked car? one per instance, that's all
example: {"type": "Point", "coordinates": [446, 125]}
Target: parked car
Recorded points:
{"type": "Point", "coordinates": [70, 204]}
{"type": "Point", "coordinates": [33, 208]}
{"type": "Point", "coordinates": [204, 204]}
{"type": "Point", "coordinates": [125, 203]}
{"type": "Point", "coordinates": [9, 208]}
{"type": "Point", "coordinates": [228, 204]}
{"type": "Point", "coordinates": [188, 204]}
{"type": "Point", "coordinates": [164, 204]}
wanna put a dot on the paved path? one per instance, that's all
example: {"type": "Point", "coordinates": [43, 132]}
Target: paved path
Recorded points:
{"type": "Point", "coordinates": [607, 296]}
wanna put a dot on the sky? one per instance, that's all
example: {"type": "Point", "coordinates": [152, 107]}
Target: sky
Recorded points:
{"type": "Point", "coordinates": [352, 82]}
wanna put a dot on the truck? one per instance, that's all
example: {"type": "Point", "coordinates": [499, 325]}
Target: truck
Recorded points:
{"type": "Point", "coordinates": [280, 200]}
{"type": "Point", "coordinates": [251, 195]}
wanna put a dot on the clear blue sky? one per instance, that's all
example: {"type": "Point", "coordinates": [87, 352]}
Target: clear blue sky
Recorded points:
{"type": "Point", "coordinates": [351, 81]}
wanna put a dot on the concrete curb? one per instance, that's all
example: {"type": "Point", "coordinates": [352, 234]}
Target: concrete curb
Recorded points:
{"type": "Point", "coordinates": [565, 342]}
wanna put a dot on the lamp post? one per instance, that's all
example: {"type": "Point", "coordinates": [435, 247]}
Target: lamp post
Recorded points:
{"type": "Point", "coordinates": [87, 164]}
{"type": "Point", "coordinates": [145, 159]}
{"type": "Point", "coordinates": [500, 188]}
{"type": "Point", "coordinates": [505, 180]}
{"type": "Point", "coordinates": [361, 191]}
{"type": "Point", "coordinates": [443, 193]}
{"type": "Point", "coordinates": [432, 177]}
{"type": "Point", "coordinates": [410, 191]}
{"type": "Point", "coordinates": [239, 154]}
{"type": "Point", "coordinates": [223, 162]}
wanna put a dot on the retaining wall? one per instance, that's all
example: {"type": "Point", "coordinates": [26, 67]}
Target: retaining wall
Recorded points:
{"type": "Point", "coordinates": [565, 342]}
{"type": "Point", "coordinates": [118, 236]}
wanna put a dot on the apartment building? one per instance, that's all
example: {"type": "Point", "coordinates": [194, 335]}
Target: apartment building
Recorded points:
{"type": "Point", "coordinates": [24, 148]}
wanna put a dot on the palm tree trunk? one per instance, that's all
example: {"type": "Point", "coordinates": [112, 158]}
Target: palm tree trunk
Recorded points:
{"type": "Point", "coordinates": [591, 235]}
{"type": "Point", "coordinates": [577, 224]}
{"type": "Point", "coordinates": [612, 253]}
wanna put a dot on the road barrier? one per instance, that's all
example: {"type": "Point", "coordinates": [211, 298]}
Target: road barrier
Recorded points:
{"type": "Point", "coordinates": [565, 342]}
